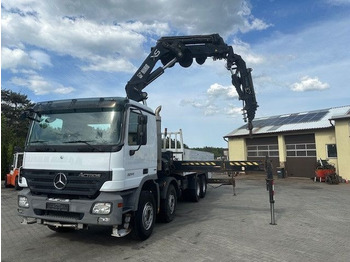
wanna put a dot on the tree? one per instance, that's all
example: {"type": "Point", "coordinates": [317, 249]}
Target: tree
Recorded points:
{"type": "Point", "coordinates": [13, 127]}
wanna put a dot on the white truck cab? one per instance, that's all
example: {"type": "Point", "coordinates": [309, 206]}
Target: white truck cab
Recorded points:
{"type": "Point", "coordinates": [79, 154]}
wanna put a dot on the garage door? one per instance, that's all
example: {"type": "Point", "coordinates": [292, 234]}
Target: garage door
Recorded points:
{"type": "Point", "coordinates": [301, 155]}
{"type": "Point", "coordinates": [259, 148]}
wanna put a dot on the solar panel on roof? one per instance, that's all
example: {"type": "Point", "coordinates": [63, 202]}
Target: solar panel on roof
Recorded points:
{"type": "Point", "coordinates": [278, 121]}
{"type": "Point", "coordinates": [273, 128]}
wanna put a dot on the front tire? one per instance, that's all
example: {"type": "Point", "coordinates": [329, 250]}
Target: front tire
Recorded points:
{"type": "Point", "coordinates": [168, 205]}
{"type": "Point", "coordinates": [145, 216]}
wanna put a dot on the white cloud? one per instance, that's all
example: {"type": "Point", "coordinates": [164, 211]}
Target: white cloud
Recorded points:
{"type": "Point", "coordinates": [155, 27]}
{"type": "Point", "coordinates": [40, 86]}
{"type": "Point", "coordinates": [219, 91]}
{"type": "Point", "coordinates": [309, 84]}
{"type": "Point", "coordinates": [17, 58]}
{"type": "Point", "coordinates": [250, 22]}
{"type": "Point", "coordinates": [198, 103]}
{"type": "Point", "coordinates": [40, 57]}
{"type": "Point", "coordinates": [95, 18]}
{"type": "Point", "coordinates": [98, 33]}
{"type": "Point", "coordinates": [63, 90]}
{"type": "Point", "coordinates": [79, 38]}
{"type": "Point", "coordinates": [206, 106]}
{"type": "Point", "coordinates": [244, 50]}
{"type": "Point", "coordinates": [14, 58]}
{"type": "Point", "coordinates": [234, 111]}
{"type": "Point", "coordinates": [109, 64]}
{"type": "Point", "coordinates": [84, 38]}
{"type": "Point", "coordinates": [210, 107]}
{"type": "Point", "coordinates": [215, 101]}
{"type": "Point", "coordinates": [224, 17]}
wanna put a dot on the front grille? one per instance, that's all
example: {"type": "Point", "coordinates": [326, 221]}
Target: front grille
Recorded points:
{"type": "Point", "coordinates": [79, 184]}
{"type": "Point", "coordinates": [59, 214]}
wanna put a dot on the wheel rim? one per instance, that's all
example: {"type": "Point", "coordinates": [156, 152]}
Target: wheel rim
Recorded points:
{"type": "Point", "coordinates": [171, 203]}
{"type": "Point", "coordinates": [147, 216]}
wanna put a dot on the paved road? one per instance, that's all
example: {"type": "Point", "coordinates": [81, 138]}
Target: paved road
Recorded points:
{"type": "Point", "coordinates": [313, 224]}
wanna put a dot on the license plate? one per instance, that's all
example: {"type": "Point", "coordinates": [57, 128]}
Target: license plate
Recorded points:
{"type": "Point", "coordinates": [57, 207]}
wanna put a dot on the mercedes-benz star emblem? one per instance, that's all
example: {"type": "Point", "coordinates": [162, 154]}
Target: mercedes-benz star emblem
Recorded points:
{"type": "Point", "coordinates": [60, 181]}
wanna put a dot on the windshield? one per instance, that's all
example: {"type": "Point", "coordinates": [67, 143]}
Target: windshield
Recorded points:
{"type": "Point", "coordinates": [85, 128]}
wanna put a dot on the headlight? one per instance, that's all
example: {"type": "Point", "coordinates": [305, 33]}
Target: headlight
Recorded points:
{"type": "Point", "coordinates": [102, 208]}
{"type": "Point", "coordinates": [23, 201]}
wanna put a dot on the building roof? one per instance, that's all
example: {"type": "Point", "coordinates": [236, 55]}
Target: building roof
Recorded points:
{"type": "Point", "coordinates": [316, 119]}
{"type": "Point", "coordinates": [341, 117]}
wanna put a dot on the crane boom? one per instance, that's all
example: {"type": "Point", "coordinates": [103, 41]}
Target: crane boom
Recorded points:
{"type": "Point", "coordinates": [185, 49]}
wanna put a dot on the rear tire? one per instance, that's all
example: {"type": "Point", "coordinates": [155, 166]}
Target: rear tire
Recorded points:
{"type": "Point", "coordinates": [168, 205]}
{"type": "Point", "coordinates": [204, 186]}
{"type": "Point", "coordinates": [145, 216]}
{"type": "Point", "coordinates": [196, 191]}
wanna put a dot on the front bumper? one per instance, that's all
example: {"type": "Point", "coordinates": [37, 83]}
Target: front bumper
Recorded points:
{"type": "Point", "coordinates": [72, 211]}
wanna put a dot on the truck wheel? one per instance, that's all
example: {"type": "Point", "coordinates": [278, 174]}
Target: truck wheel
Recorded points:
{"type": "Point", "coordinates": [168, 205]}
{"type": "Point", "coordinates": [196, 191]}
{"type": "Point", "coordinates": [204, 186]}
{"type": "Point", "coordinates": [145, 216]}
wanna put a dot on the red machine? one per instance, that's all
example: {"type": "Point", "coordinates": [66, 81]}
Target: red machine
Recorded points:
{"type": "Point", "coordinates": [11, 179]}
{"type": "Point", "coordinates": [325, 172]}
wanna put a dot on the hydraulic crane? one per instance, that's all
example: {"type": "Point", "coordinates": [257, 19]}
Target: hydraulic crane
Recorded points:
{"type": "Point", "coordinates": [183, 50]}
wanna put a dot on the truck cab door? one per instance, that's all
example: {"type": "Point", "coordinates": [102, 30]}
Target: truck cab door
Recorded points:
{"type": "Point", "coordinates": [140, 153]}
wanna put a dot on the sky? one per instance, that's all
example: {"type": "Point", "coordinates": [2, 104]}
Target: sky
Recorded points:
{"type": "Point", "coordinates": [298, 50]}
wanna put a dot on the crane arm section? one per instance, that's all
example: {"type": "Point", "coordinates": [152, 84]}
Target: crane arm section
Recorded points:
{"type": "Point", "coordinates": [185, 49]}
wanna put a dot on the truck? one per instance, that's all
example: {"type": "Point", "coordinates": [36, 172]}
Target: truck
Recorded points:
{"type": "Point", "coordinates": [100, 162]}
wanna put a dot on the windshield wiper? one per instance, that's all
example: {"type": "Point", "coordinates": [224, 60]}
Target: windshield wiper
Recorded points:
{"type": "Point", "coordinates": [84, 142]}
{"type": "Point", "coordinates": [38, 148]}
{"type": "Point", "coordinates": [38, 141]}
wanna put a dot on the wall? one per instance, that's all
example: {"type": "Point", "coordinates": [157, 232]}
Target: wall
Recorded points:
{"type": "Point", "coordinates": [342, 134]}
{"type": "Point", "coordinates": [237, 149]}
{"type": "Point", "coordinates": [322, 138]}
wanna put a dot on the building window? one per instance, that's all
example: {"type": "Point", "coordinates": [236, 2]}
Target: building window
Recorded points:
{"type": "Point", "coordinates": [332, 150]}
{"type": "Point", "coordinates": [262, 150]}
{"type": "Point", "coordinates": [301, 150]}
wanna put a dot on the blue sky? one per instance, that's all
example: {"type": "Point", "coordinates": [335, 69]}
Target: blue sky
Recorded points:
{"type": "Point", "coordinates": [299, 52]}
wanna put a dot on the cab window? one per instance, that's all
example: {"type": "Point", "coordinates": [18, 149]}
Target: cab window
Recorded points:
{"type": "Point", "coordinates": [137, 134]}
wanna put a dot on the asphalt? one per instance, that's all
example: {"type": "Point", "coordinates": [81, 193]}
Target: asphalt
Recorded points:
{"type": "Point", "coordinates": [313, 224]}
